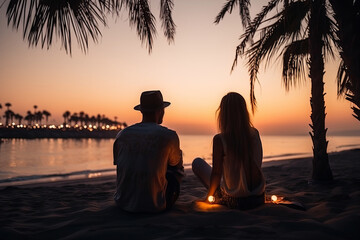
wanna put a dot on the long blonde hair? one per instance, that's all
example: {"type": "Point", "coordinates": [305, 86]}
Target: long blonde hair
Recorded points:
{"type": "Point", "coordinates": [235, 126]}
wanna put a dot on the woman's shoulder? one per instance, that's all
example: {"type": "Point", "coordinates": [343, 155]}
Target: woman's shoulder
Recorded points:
{"type": "Point", "coordinates": [255, 135]}
{"type": "Point", "coordinates": [254, 131]}
{"type": "Point", "coordinates": [217, 139]}
{"type": "Point", "coordinates": [217, 136]}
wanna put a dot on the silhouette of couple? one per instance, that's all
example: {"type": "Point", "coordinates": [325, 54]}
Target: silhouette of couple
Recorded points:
{"type": "Point", "coordinates": [150, 166]}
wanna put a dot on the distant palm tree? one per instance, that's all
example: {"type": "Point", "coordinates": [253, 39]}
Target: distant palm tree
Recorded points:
{"type": "Point", "coordinates": [81, 117]}
{"type": "Point", "coordinates": [8, 105]}
{"type": "Point", "coordinates": [93, 120]}
{"type": "Point", "coordinates": [47, 115]}
{"type": "Point", "coordinates": [29, 117]}
{"type": "Point", "coordinates": [44, 20]}
{"type": "Point", "coordinates": [18, 117]}
{"type": "Point", "coordinates": [98, 119]}
{"type": "Point", "coordinates": [86, 119]}
{"type": "Point", "coordinates": [305, 34]}
{"type": "Point", "coordinates": [9, 115]}
{"type": "Point", "coordinates": [35, 107]}
{"type": "Point", "coordinates": [39, 116]}
{"type": "Point", "coordinates": [74, 118]}
{"type": "Point", "coordinates": [66, 116]}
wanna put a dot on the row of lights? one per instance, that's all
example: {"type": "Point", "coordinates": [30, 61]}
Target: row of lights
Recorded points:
{"type": "Point", "coordinates": [89, 127]}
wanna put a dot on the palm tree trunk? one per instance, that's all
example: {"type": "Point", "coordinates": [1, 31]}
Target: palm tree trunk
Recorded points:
{"type": "Point", "coordinates": [321, 167]}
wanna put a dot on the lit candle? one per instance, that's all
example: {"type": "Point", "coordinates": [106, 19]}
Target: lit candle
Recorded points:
{"type": "Point", "coordinates": [211, 199]}
{"type": "Point", "coordinates": [274, 198]}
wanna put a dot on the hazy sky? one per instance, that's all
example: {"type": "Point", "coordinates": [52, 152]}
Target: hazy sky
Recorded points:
{"type": "Point", "coordinates": [193, 74]}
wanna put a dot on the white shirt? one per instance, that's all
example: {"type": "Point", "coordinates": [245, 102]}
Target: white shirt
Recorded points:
{"type": "Point", "coordinates": [144, 151]}
{"type": "Point", "coordinates": [234, 178]}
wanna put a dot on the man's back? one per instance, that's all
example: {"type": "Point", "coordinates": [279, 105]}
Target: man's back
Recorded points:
{"type": "Point", "coordinates": [142, 153]}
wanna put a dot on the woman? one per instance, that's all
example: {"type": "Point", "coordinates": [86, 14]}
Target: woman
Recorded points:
{"type": "Point", "coordinates": [237, 158]}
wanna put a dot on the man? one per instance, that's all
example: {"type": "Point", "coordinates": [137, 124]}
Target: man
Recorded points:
{"type": "Point", "coordinates": [149, 160]}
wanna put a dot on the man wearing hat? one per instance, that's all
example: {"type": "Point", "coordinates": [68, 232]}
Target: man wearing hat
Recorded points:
{"type": "Point", "coordinates": [148, 159]}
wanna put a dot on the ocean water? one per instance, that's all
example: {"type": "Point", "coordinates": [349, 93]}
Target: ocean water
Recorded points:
{"type": "Point", "coordinates": [43, 160]}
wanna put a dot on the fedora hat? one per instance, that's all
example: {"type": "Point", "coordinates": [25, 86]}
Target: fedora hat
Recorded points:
{"type": "Point", "coordinates": [151, 101]}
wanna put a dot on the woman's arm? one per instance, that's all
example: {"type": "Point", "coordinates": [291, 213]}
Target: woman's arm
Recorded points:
{"type": "Point", "coordinates": [217, 169]}
{"type": "Point", "coordinates": [257, 148]}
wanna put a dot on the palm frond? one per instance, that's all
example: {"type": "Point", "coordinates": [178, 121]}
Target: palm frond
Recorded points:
{"type": "Point", "coordinates": [342, 80]}
{"type": "Point", "coordinates": [228, 7]}
{"type": "Point", "coordinates": [328, 30]}
{"type": "Point", "coordinates": [167, 24]}
{"type": "Point", "coordinates": [272, 37]}
{"type": "Point", "coordinates": [243, 11]}
{"type": "Point", "coordinates": [251, 29]}
{"type": "Point", "coordinates": [44, 20]}
{"type": "Point", "coordinates": [294, 62]}
{"type": "Point", "coordinates": [356, 107]}
{"type": "Point", "coordinates": [287, 27]}
{"type": "Point", "coordinates": [141, 17]}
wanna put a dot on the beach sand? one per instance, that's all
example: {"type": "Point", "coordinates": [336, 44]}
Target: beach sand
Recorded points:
{"type": "Point", "coordinates": [84, 209]}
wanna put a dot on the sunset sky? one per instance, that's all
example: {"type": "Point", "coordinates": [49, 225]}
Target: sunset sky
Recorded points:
{"type": "Point", "coordinates": [193, 74]}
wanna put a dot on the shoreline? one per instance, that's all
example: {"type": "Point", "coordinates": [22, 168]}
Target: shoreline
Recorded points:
{"type": "Point", "coordinates": [99, 173]}
{"type": "Point", "coordinates": [84, 209]}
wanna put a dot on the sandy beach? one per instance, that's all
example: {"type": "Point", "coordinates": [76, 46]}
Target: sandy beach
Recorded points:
{"type": "Point", "coordinates": [84, 209]}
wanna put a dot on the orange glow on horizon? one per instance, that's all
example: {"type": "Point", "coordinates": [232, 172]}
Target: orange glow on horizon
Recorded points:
{"type": "Point", "coordinates": [193, 74]}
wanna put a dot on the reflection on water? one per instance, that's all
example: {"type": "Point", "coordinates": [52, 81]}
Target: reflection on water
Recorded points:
{"type": "Point", "coordinates": [24, 157]}
{"type": "Point", "coordinates": [60, 158]}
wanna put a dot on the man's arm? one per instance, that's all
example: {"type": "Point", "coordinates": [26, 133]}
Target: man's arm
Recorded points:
{"type": "Point", "coordinates": [175, 156]}
{"type": "Point", "coordinates": [116, 149]}
{"type": "Point", "coordinates": [175, 163]}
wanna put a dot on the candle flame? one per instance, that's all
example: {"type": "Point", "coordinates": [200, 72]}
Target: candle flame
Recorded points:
{"type": "Point", "coordinates": [211, 199]}
{"type": "Point", "coordinates": [274, 198]}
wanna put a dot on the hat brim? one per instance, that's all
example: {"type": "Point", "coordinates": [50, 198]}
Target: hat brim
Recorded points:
{"type": "Point", "coordinates": [138, 107]}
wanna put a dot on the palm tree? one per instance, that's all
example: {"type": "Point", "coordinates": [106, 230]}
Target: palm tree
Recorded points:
{"type": "Point", "coordinates": [8, 105]}
{"type": "Point", "coordinates": [8, 113]}
{"type": "Point", "coordinates": [18, 117]}
{"type": "Point", "coordinates": [93, 120]}
{"type": "Point", "coordinates": [38, 117]}
{"type": "Point", "coordinates": [29, 117]}
{"type": "Point", "coordinates": [42, 21]}
{"type": "Point", "coordinates": [35, 107]}
{"type": "Point", "coordinates": [98, 119]}
{"type": "Point", "coordinates": [47, 115]}
{"type": "Point", "coordinates": [86, 119]}
{"type": "Point", "coordinates": [66, 117]}
{"type": "Point", "coordinates": [304, 33]}
{"type": "Point", "coordinates": [74, 117]}
{"type": "Point", "coordinates": [8, 116]}
{"type": "Point", "coordinates": [81, 117]}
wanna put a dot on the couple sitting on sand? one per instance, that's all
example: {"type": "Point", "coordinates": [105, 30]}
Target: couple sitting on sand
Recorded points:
{"type": "Point", "coordinates": [150, 167]}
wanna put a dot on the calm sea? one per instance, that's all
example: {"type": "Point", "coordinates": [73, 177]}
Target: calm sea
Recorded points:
{"type": "Point", "coordinates": [39, 160]}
